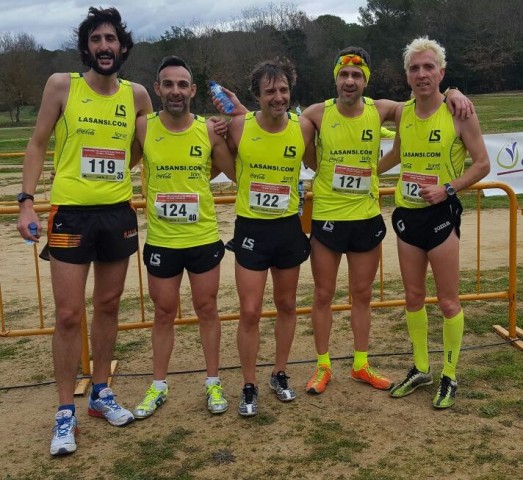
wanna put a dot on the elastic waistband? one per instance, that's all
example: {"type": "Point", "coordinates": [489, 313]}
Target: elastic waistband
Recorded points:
{"type": "Point", "coordinates": [289, 218]}
{"type": "Point", "coordinates": [90, 208]}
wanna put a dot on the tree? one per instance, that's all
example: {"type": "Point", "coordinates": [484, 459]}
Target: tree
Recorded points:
{"type": "Point", "coordinates": [21, 80]}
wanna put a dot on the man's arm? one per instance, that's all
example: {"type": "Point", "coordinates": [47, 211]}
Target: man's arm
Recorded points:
{"type": "Point", "coordinates": [309, 133]}
{"type": "Point", "coordinates": [470, 133]}
{"type": "Point", "coordinates": [458, 104]}
{"type": "Point", "coordinates": [222, 157]}
{"type": "Point", "coordinates": [392, 157]}
{"type": "Point", "coordinates": [53, 100]}
{"type": "Point", "coordinates": [142, 107]}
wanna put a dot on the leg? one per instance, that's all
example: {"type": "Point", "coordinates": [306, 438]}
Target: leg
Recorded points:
{"type": "Point", "coordinates": [413, 266]}
{"type": "Point", "coordinates": [444, 260]}
{"type": "Point", "coordinates": [109, 279]}
{"type": "Point", "coordinates": [204, 288]}
{"type": "Point", "coordinates": [362, 271]}
{"type": "Point", "coordinates": [251, 286]}
{"type": "Point", "coordinates": [285, 283]}
{"type": "Point", "coordinates": [324, 264]}
{"type": "Point", "coordinates": [164, 293]}
{"type": "Point", "coordinates": [69, 295]}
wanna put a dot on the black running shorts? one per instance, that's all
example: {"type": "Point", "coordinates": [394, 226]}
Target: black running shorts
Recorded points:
{"type": "Point", "coordinates": [261, 244]}
{"type": "Point", "coordinates": [83, 234]}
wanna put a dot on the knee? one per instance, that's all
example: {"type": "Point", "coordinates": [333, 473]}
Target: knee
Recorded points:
{"type": "Point", "coordinates": [415, 298]}
{"type": "Point", "coordinates": [108, 302]}
{"type": "Point", "coordinates": [206, 311]}
{"type": "Point", "coordinates": [68, 319]}
{"type": "Point", "coordinates": [323, 296]}
{"type": "Point", "coordinates": [361, 295]}
{"type": "Point", "coordinates": [286, 306]}
{"type": "Point", "coordinates": [449, 307]}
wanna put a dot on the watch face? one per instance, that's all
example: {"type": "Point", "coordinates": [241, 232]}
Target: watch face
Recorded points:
{"type": "Point", "coordinates": [450, 190]}
{"type": "Point", "coordinates": [21, 197]}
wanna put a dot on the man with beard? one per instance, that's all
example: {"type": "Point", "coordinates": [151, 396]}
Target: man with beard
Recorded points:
{"type": "Point", "coordinates": [93, 116]}
{"type": "Point", "coordinates": [179, 151]}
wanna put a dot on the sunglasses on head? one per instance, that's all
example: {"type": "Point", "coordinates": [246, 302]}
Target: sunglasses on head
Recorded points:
{"type": "Point", "coordinates": [351, 58]}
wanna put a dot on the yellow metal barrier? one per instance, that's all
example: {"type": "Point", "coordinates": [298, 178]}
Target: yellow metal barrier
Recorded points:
{"type": "Point", "coordinates": [513, 332]}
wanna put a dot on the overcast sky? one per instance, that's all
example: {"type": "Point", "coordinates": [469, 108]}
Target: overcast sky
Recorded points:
{"type": "Point", "coordinates": [51, 22]}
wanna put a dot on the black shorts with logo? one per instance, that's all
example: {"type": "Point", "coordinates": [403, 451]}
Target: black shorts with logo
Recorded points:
{"type": "Point", "coordinates": [350, 235]}
{"type": "Point", "coordinates": [165, 262]}
{"type": "Point", "coordinates": [428, 227]}
{"type": "Point", "coordinates": [83, 234]}
{"type": "Point", "coordinates": [261, 244]}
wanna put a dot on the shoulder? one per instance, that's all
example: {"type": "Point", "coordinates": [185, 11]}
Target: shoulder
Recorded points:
{"type": "Point", "coordinates": [314, 113]}
{"type": "Point", "coordinates": [142, 101]}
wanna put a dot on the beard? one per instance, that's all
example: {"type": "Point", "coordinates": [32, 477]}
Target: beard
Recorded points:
{"type": "Point", "coordinates": [92, 61]}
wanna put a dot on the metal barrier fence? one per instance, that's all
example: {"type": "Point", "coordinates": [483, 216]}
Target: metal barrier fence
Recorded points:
{"type": "Point", "coordinates": [513, 332]}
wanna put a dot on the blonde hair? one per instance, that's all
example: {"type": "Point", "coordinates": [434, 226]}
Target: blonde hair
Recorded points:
{"type": "Point", "coordinates": [421, 44]}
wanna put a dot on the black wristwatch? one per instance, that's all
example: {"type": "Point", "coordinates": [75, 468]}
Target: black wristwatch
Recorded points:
{"type": "Point", "coordinates": [22, 197]}
{"type": "Point", "coordinates": [450, 189]}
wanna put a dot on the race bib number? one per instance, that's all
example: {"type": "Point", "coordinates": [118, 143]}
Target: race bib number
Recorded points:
{"type": "Point", "coordinates": [269, 198]}
{"type": "Point", "coordinates": [178, 207]}
{"type": "Point", "coordinates": [410, 185]}
{"type": "Point", "coordinates": [103, 164]}
{"type": "Point", "coordinates": [347, 179]}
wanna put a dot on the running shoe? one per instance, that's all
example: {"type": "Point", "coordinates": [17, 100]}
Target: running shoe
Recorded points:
{"type": "Point", "coordinates": [279, 383]}
{"type": "Point", "coordinates": [249, 402]}
{"type": "Point", "coordinates": [368, 375]}
{"type": "Point", "coordinates": [216, 402]}
{"type": "Point", "coordinates": [64, 430]}
{"type": "Point", "coordinates": [106, 407]}
{"type": "Point", "coordinates": [318, 382]}
{"type": "Point", "coordinates": [153, 399]}
{"type": "Point", "coordinates": [414, 380]}
{"type": "Point", "coordinates": [446, 395]}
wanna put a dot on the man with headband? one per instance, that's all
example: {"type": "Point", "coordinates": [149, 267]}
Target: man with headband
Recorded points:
{"type": "Point", "coordinates": [346, 217]}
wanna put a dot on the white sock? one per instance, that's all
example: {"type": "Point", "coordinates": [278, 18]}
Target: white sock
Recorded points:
{"type": "Point", "coordinates": [212, 381]}
{"type": "Point", "coordinates": [160, 384]}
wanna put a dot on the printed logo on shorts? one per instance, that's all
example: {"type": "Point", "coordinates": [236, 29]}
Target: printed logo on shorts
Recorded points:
{"type": "Point", "coordinates": [248, 243]}
{"type": "Point", "coordinates": [400, 225]}
{"type": "Point", "coordinates": [328, 226]}
{"type": "Point", "coordinates": [155, 260]}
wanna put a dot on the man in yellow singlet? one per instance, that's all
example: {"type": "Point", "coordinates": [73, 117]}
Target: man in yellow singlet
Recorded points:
{"type": "Point", "coordinates": [431, 146]}
{"type": "Point", "coordinates": [346, 216]}
{"type": "Point", "coordinates": [93, 116]}
{"type": "Point", "coordinates": [269, 146]}
{"type": "Point", "coordinates": [179, 150]}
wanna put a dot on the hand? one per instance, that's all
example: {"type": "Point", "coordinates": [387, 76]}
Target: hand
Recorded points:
{"type": "Point", "coordinates": [28, 215]}
{"type": "Point", "coordinates": [239, 109]}
{"type": "Point", "coordinates": [459, 105]}
{"type": "Point", "coordinates": [220, 125]}
{"type": "Point", "coordinates": [433, 194]}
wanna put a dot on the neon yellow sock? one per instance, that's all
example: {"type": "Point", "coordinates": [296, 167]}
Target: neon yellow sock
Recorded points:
{"type": "Point", "coordinates": [360, 359]}
{"type": "Point", "coordinates": [452, 337]}
{"type": "Point", "coordinates": [324, 359]}
{"type": "Point", "coordinates": [418, 326]}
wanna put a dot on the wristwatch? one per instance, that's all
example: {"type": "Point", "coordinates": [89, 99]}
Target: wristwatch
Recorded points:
{"type": "Point", "coordinates": [22, 197]}
{"type": "Point", "coordinates": [450, 189]}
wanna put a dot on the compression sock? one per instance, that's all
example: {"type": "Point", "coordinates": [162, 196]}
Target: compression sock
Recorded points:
{"type": "Point", "coordinates": [418, 326]}
{"type": "Point", "coordinates": [452, 337]}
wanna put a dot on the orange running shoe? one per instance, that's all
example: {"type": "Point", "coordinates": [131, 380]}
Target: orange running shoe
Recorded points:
{"type": "Point", "coordinates": [369, 375]}
{"type": "Point", "coordinates": [318, 382]}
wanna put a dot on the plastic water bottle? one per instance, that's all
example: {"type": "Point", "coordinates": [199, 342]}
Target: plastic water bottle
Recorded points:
{"type": "Point", "coordinates": [33, 230]}
{"type": "Point", "coordinates": [301, 195]}
{"type": "Point", "coordinates": [217, 91]}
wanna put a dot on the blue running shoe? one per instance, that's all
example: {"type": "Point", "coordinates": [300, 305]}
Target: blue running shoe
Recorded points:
{"type": "Point", "coordinates": [106, 407]}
